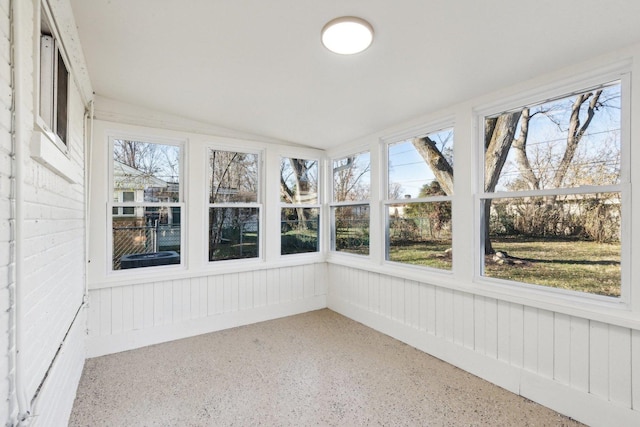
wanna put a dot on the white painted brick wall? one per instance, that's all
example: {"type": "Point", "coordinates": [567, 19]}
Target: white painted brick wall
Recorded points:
{"type": "Point", "coordinates": [53, 246]}
{"type": "Point", "coordinates": [6, 409]}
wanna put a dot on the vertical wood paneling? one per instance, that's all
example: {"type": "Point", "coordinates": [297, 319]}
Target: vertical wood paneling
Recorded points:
{"type": "Point", "coordinates": [186, 287]}
{"type": "Point", "coordinates": [374, 292]}
{"type": "Point", "coordinates": [504, 332]}
{"type": "Point", "coordinates": [397, 299]}
{"type": "Point", "coordinates": [116, 310]}
{"type": "Point", "coordinates": [480, 320]}
{"type": "Point", "coordinates": [352, 285]}
{"type": "Point", "coordinates": [244, 291]}
{"type": "Point", "coordinates": [385, 296]}
{"type": "Point", "coordinates": [468, 338]}
{"type": "Point", "coordinates": [545, 343]}
{"type": "Point", "coordinates": [447, 307]}
{"type": "Point", "coordinates": [297, 282]}
{"type": "Point", "coordinates": [620, 365]}
{"type": "Point", "coordinates": [458, 317]}
{"type": "Point", "coordinates": [105, 311]}
{"type": "Point", "coordinates": [148, 305]}
{"type": "Point", "coordinates": [491, 327]}
{"type": "Point", "coordinates": [308, 281]}
{"type": "Point", "coordinates": [215, 292]}
{"type": "Point", "coordinates": [562, 348]}
{"type": "Point", "coordinates": [167, 308]}
{"type": "Point", "coordinates": [530, 354]}
{"type": "Point", "coordinates": [176, 308]}
{"type": "Point", "coordinates": [423, 307]}
{"type": "Point", "coordinates": [599, 359]}
{"type": "Point", "coordinates": [414, 303]}
{"type": "Point", "coordinates": [230, 292]}
{"type": "Point", "coordinates": [635, 369]}
{"type": "Point", "coordinates": [138, 307]}
{"type": "Point", "coordinates": [286, 285]}
{"type": "Point", "coordinates": [93, 321]}
{"type": "Point", "coordinates": [158, 304]}
{"type": "Point", "coordinates": [363, 288]}
{"type": "Point", "coordinates": [580, 354]}
{"type": "Point", "coordinates": [260, 288]}
{"type": "Point", "coordinates": [321, 284]}
{"type": "Point", "coordinates": [516, 328]}
{"type": "Point", "coordinates": [127, 308]}
{"type": "Point", "coordinates": [273, 286]}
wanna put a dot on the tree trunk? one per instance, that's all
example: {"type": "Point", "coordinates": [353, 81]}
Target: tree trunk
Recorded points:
{"type": "Point", "coordinates": [437, 162]}
{"type": "Point", "coordinates": [576, 132]}
{"type": "Point", "coordinates": [520, 152]}
{"type": "Point", "coordinates": [497, 145]}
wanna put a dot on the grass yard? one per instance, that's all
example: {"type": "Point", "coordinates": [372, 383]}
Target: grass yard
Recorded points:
{"type": "Point", "coordinates": [431, 254]}
{"type": "Point", "coordinates": [567, 264]}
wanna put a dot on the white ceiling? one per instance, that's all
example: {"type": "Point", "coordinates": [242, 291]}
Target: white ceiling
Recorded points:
{"type": "Point", "coordinates": [258, 66]}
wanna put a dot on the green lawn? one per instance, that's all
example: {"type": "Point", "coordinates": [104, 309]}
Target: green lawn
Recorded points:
{"type": "Point", "coordinates": [431, 254]}
{"type": "Point", "coordinates": [568, 264]}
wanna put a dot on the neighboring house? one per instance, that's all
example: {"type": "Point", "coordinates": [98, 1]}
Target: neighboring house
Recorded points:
{"type": "Point", "coordinates": [130, 185]}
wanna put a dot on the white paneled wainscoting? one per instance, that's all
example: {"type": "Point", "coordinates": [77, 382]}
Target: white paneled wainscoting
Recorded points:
{"type": "Point", "coordinates": [583, 368]}
{"type": "Point", "coordinates": [132, 316]}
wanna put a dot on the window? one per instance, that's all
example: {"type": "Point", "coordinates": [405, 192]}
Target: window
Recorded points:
{"type": "Point", "coordinates": [300, 206]}
{"type": "Point", "coordinates": [54, 86]}
{"type": "Point", "coordinates": [234, 209]}
{"type": "Point", "coordinates": [124, 196]}
{"type": "Point", "coordinates": [350, 204]}
{"type": "Point", "coordinates": [418, 205]}
{"type": "Point", "coordinates": [553, 193]}
{"type": "Point", "coordinates": [147, 208]}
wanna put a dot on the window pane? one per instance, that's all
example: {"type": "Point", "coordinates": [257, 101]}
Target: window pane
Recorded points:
{"type": "Point", "coordinates": [298, 181]}
{"type": "Point", "coordinates": [569, 242]}
{"type": "Point", "coordinates": [233, 177]}
{"type": "Point", "coordinates": [352, 229]}
{"type": "Point", "coordinates": [150, 169]}
{"type": "Point", "coordinates": [149, 238]}
{"type": "Point", "coordinates": [61, 99]}
{"type": "Point", "coordinates": [421, 166]}
{"type": "Point", "coordinates": [420, 233]}
{"type": "Point", "coordinates": [233, 233]}
{"type": "Point", "coordinates": [352, 178]}
{"type": "Point", "coordinates": [299, 230]}
{"type": "Point", "coordinates": [568, 142]}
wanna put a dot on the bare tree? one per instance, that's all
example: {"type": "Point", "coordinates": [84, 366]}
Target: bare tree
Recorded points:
{"type": "Point", "coordinates": [437, 162]}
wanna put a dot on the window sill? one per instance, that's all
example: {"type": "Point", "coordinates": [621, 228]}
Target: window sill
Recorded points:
{"type": "Point", "coordinates": [45, 151]}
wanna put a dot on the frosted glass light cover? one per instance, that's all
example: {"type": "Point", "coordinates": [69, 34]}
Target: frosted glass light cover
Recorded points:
{"type": "Point", "coordinates": [347, 35]}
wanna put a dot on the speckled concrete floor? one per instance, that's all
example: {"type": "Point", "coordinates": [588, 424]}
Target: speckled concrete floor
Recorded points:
{"type": "Point", "coordinates": [318, 368]}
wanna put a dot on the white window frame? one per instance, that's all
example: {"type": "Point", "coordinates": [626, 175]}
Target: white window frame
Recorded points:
{"type": "Point", "coordinates": [333, 204]}
{"type": "Point", "coordinates": [546, 294]}
{"type": "Point", "coordinates": [181, 144]}
{"type": "Point", "coordinates": [50, 49]}
{"type": "Point", "coordinates": [387, 202]}
{"type": "Point", "coordinates": [318, 205]}
{"type": "Point", "coordinates": [258, 204]}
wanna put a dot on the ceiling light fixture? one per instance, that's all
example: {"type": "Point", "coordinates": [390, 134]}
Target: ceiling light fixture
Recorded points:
{"type": "Point", "coordinates": [347, 35]}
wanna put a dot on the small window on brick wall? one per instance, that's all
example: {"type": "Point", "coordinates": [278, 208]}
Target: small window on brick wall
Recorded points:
{"type": "Point", "coordinates": [54, 87]}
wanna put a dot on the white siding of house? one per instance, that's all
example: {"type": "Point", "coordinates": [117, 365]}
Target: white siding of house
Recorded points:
{"type": "Point", "coordinates": [52, 243]}
{"type": "Point", "coordinates": [126, 317]}
{"type": "Point", "coordinates": [7, 407]}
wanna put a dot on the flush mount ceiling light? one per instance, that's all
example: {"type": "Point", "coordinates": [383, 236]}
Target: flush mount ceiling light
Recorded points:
{"type": "Point", "coordinates": [347, 35]}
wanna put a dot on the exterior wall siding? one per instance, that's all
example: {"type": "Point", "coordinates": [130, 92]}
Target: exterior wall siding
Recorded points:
{"type": "Point", "coordinates": [7, 406]}
{"type": "Point", "coordinates": [126, 317]}
{"type": "Point", "coordinates": [583, 368]}
{"type": "Point", "coordinates": [52, 240]}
